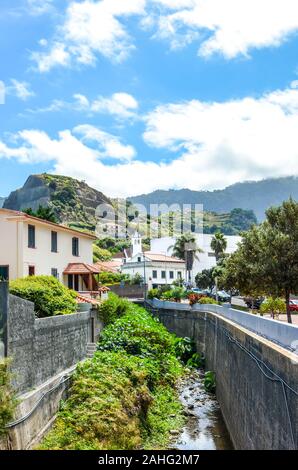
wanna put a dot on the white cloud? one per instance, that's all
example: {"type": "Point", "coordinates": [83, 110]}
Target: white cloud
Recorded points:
{"type": "Point", "coordinates": [229, 27]}
{"type": "Point", "coordinates": [110, 146]}
{"type": "Point", "coordinates": [121, 105]}
{"type": "Point", "coordinates": [57, 55]}
{"type": "Point", "coordinates": [91, 28]}
{"type": "Point", "coordinates": [21, 90]}
{"type": "Point", "coordinates": [222, 143]}
{"type": "Point", "coordinates": [213, 144]}
{"type": "Point", "coordinates": [39, 7]}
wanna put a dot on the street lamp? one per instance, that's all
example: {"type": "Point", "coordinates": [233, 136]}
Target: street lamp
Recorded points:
{"type": "Point", "coordinates": [145, 282]}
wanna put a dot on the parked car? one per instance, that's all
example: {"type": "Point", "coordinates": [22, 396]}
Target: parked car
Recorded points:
{"type": "Point", "coordinates": [196, 290]}
{"type": "Point", "coordinates": [254, 304]}
{"type": "Point", "coordinates": [294, 305]}
{"type": "Point", "coordinates": [222, 296]}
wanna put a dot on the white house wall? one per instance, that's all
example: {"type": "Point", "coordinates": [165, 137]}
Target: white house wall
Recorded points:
{"type": "Point", "coordinates": [165, 246]}
{"type": "Point", "coordinates": [15, 253]}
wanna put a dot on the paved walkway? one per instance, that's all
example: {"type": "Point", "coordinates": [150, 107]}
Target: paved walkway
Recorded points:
{"type": "Point", "coordinates": [283, 318]}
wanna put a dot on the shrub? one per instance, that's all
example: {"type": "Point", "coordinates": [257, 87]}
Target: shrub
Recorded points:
{"type": "Point", "coordinates": [50, 297]}
{"type": "Point", "coordinates": [153, 294]}
{"type": "Point", "coordinates": [207, 300]}
{"type": "Point", "coordinates": [7, 400]}
{"type": "Point", "coordinates": [136, 280]}
{"type": "Point", "coordinates": [107, 278]}
{"type": "Point", "coordinates": [193, 298]}
{"type": "Point", "coordinates": [113, 308]}
{"type": "Point", "coordinates": [273, 306]}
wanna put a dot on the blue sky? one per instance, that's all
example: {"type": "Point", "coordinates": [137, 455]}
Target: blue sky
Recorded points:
{"type": "Point", "coordinates": [148, 94]}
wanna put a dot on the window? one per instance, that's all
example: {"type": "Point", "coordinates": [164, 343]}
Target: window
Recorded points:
{"type": "Point", "coordinates": [54, 242]}
{"type": "Point", "coordinates": [211, 255]}
{"type": "Point", "coordinates": [154, 274]}
{"type": "Point", "coordinates": [54, 273]}
{"type": "Point", "coordinates": [139, 259]}
{"type": "Point", "coordinates": [163, 274]}
{"type": "Point", "coordinates": [31, 236]}
{"type": "Point", "coordinates": [31, 271]}
{"type": "Point", "coordinates": [4, 273]}
{"type": "Point", "coordinates": [75, 246]}
{"type": "Point", "coordinates": [171, 274]}
{"type": "Point", "coordinates": [179, 275]}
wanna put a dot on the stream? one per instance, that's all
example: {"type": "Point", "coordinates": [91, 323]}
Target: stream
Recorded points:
{"type": "Point", "coordinates": [205, 428]}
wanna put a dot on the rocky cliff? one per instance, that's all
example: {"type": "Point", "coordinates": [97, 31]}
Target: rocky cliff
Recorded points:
{"type": "Point", "coordinates": [72, 201]}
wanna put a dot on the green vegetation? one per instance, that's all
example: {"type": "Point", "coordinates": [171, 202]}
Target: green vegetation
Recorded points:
{"type": "Point", "coordinates": [273, 306]}
{"type": "Point", "coordinates": [266, 262]}
{"type": "Point", "coordinates": [50, 297]}
{"type": "Point", "coordinates": [125, 397]}
{"type": "Point", "coordinates": [209, 381]}
{"type": "Point", "coordinates": [112, 309]}
{"type": "Point", "coordinates": [7, 401]}
{"type": "Point", "coordinates": [45, 213]}
{"type": "Point", "coordinates": [72, 202]}
{"type": "Point", "coordinates": [108, 279]}
{"type": "Point", "coordinates": [205, 279]}
{"type": "Point", "coordinates": [219, 245]}
{"type": "Point", "coordinates": [113, 245]}
{"type": "Point", "coordinates": [100, 254]}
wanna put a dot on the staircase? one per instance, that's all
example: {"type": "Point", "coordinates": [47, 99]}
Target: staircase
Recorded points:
{"type": "Point", "coordinates": [91, 349]}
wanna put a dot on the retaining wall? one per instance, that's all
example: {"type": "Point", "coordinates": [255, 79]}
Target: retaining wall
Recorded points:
{"type": "Point", "coordinates": [256, 379]}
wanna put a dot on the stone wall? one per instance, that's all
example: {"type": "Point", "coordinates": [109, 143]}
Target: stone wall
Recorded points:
{"type": "Point", "coordinates": [41, 348]}
{"type": "Point", "coordinates": [257, 380]}
{"type": "Point", "coordinates": [130, 292]}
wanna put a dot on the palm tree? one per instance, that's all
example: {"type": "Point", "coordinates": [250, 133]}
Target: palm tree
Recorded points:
{"type": "Point", "coordinates": [186, 248]}
{"type": "Point", "coordinates": [218, 245]}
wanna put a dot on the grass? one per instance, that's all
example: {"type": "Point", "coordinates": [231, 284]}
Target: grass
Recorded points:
{"type": "Point", "coordinates": [125, 397]}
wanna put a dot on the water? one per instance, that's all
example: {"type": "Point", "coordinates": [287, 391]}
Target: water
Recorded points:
{"type": "Point", "coordinates": [205, 428]}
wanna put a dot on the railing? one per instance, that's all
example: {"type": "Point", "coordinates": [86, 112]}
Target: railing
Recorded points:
{"type": "Point", "coordinates": [284, 334]}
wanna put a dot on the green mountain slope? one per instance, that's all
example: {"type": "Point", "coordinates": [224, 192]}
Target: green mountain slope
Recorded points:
{"type": "Point", "coordinates": [256, 196]}
{"type": "Point", "coordinates": [73, 201]}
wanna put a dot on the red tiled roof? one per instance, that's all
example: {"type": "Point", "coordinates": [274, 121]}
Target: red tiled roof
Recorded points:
{"type": "Point", "coordinates": [81, 268]}
{"type": "Point", "coordinates": [109, 266]}
{"type": "Point", "coordinates": [163, 258]}
{"type": "Point", "coordinates": [81, 299]}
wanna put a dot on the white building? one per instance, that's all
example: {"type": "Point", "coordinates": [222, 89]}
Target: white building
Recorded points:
{"type": "Point", "coordinates": [156, 267]}
{"type": "Point", "coordinates": [32, 246]}
{"type": "Point", "coordinates": [206, 260]}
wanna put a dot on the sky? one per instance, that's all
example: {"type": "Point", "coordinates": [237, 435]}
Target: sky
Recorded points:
{"type": "Point", "coordinates": [137, 95]}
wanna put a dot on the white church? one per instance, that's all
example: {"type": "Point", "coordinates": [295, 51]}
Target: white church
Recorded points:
{"type": "Point", "coordinates": [157, 268]}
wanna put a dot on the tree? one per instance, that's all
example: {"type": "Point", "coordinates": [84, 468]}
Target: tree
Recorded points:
{"type": "Point", "coordinates": [267, 259]}
{"type": "Point", "coordinates": [186, 248]}
{"type": "Point", "coordinates": [45, 213]}
{"type": "Point", "coordinates": [281, 242]}
{"type": "Point", "coordinates": [205, 279]}
{"type": "Point", "coordinates": [218, 245]}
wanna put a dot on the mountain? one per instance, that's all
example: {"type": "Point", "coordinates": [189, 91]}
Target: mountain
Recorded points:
{"type": "Point", "coordinates": [72, 201]}
{"type": "Point", "coordinates": [252, 195]}
{"type": "Point", "coordinates": [2, 200]}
